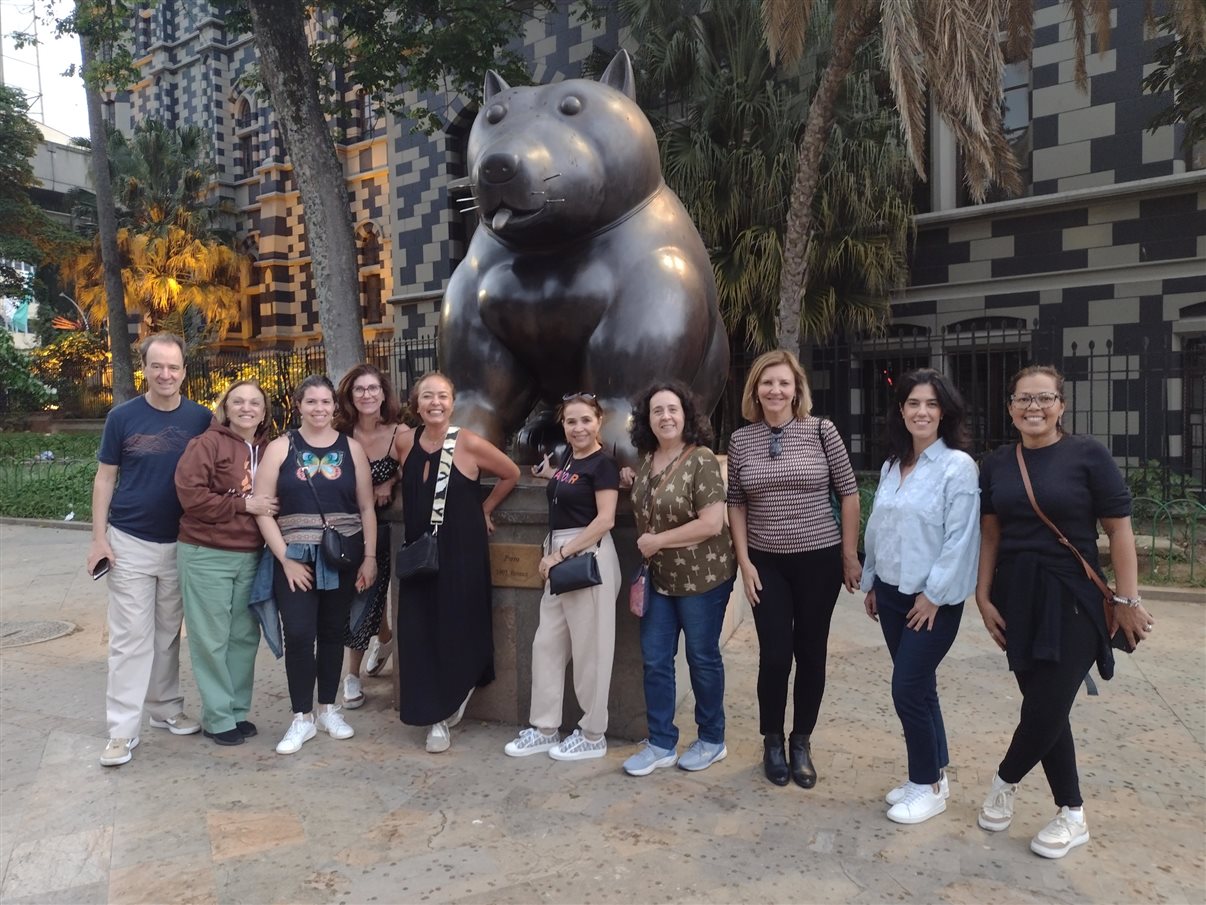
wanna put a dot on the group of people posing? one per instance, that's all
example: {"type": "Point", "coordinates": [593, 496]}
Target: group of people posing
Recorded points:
{"type": "Point", "coordinates": [212, 522]}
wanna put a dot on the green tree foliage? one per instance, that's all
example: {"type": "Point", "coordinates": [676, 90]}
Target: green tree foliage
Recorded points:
{"type": "Point", "coordinates": [20, 390]}
{"type": "Point", "coordinates": [1180, 67]}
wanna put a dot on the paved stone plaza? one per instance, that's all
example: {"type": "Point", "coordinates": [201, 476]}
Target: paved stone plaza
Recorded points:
{"type": "Point", "coordinates": [376, 819]}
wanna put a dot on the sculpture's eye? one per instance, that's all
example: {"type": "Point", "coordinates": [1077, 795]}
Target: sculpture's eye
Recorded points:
{"type": "Point", "coordinates": [495, 113]}
{"type": "Point", "coordinates": [571, 105]}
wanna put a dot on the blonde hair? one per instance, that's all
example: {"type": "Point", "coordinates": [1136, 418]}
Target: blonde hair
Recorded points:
{"type": "Point", "coordinates": [801, 403]}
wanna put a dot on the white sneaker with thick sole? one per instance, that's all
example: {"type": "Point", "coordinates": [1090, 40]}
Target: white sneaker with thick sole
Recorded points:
{"type": "Point", "coordinates": [353, 692]}
{"type": "Point", "coordinates": [919, 804]}
{"type": "Point", "coordinates": [997, 811]}
{"type": "Point", "coordinates": [438, 737]}
{"type": "Point", "coordinates": [300, 731]}
{"type": "Point", "coordinates": [332, 722]}
{"type": "Point", "coordinates": [577, 746]}
{"type": "Point", "coordinates": [1061, 835]}
{"type": "Point", "coordinates": [898, 793]}
{"type": "Point", "coordinates": [531, 741]}
{"type": "Point", "coordinates": [118, 751]}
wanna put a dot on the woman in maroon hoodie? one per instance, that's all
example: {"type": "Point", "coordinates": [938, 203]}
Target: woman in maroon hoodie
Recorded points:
{"type": "Point", "coordinates": [217, 554]}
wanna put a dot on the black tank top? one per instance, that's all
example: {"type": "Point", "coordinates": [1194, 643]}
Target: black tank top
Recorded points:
{"type": "Point", "coordinates": [333, 474]}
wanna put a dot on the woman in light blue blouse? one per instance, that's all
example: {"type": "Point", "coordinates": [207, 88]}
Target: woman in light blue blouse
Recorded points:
{"type": "Point", "coordinates": [923, 542]}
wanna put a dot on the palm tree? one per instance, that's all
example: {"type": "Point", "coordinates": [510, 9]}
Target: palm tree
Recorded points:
{"type": "Point", "coordinates": [949, 51]}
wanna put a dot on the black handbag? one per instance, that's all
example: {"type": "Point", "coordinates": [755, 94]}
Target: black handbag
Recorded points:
{"type": "Point", "coordinates": [342, 552]}
{"type": "Point", "coordinates": [421, 557]}
{"type": "Point", "coordinates": [574, 574]}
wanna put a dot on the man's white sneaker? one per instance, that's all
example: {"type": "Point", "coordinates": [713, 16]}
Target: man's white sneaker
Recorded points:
{"type": "Point", "coordinates": [1061, 835]}
{"type": "Point", "coordinates": [180, 724]}
{"type": "Point", "coordinates": [117, 752]}
{"type": "Point", "coordinates": [997, 811]}
{"type": "Point", "coordinates": [531, 741]}
{"type": "Point", "coordinates": [300, 731]}
{"type": "Point", "coordinates": [919, 804]}
{"type": "Point", "coordinates": [332, 722]}
{"type": "Point", "coordinates": [353, 693]}
{"type": "Point", "coordinates": [438, 737]}
{"type": "Point", "coordinates": [578, 747]}
{"type": "Point", "coordinates": [898, 793]}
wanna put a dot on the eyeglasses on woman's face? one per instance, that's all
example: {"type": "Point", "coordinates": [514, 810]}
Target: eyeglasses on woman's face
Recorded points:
{"type": "Point", "coordinates": [371, 389]}
{"type": "Point", "coordinates": [1042, 400]}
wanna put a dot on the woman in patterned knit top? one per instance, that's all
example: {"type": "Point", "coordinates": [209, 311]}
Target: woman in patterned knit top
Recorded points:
{"type": "Point", "coordinates": [793, 556]}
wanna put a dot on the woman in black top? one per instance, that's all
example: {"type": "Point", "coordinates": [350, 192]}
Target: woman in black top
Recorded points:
{"type": "Point", "coordinates": [1036, 601]}
{"type": "Point", "coordinates": [578, 625]}
{"type": "Point", "coordinates": [314, 598]}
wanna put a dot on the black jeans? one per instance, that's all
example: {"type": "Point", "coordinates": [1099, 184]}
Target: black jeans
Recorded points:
{"type": "Point", "coordinates": [309, 617]}
{"type": "Point", "coordinates": [1044, 733]}
{"type": "Point", "coordinates": [798, 594]}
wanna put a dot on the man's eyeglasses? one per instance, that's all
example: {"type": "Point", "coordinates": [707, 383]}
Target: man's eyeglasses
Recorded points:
{"type": "Point", "coordinates": [1042, 400]}
{"type": "Point", "coordinates": [776, 443]}
{"type": "Point", "coordinates": [372, 390]}
{"type": "Point", "coordinates": [568, 396]}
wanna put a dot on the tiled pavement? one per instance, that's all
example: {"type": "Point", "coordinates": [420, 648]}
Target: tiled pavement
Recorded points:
{"type": "Point", "coordinates": [376, 819]}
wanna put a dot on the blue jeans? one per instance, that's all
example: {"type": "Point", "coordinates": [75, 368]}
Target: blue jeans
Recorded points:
{"type": "Point", "coordinates": [700, 617]}
{"type": "Point", "coordinates": [915, 659]}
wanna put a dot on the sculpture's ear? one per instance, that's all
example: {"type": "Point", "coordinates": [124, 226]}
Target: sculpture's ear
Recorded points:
{"type": "Point", "coordinates": [618, 74]}
{"type": "Point", "coordinates": [495, 84]}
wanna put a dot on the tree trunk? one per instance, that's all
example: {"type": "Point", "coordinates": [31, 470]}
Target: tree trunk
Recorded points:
{"type": "Point", "coordinates": [278, 28]}
{"type": "Point", "coordinates": [106, 229]}
{"type": "Point", "coordinates": [793, 278]}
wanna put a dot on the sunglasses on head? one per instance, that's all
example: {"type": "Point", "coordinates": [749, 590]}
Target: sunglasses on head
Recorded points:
{"type": "Point", "coordinates": [568, 396]}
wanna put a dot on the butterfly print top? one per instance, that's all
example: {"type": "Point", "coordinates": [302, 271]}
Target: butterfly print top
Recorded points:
{"type": "Point", "coordinates": [333, 474]}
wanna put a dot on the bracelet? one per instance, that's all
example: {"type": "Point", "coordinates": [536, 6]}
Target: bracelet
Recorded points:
{"type": "Point", "coordinates": [1127, 601]}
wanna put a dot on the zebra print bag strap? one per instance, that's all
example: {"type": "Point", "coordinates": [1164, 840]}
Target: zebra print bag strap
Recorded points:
{"type": "Point", "coordinates": [443, 475]}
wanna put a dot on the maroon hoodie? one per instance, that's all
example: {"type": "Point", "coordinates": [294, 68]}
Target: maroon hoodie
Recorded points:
{"type": "Point", "coordinates": [213, 480]}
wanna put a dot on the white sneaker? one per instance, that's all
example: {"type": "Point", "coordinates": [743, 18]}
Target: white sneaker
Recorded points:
{"type": "Point", "coordinates": [333, 723]}
{"type": "Point", "coordinates": [531, 741]}
{"type": "Point", "coordinates": [118, 751]}
{"type": "Point", "coordinates": [919, 804]}
{"type": "Point", "coordinates": [578, 747]}
{"type": "Point", "coordinates": [1061, 835]}
{"type": "Point", "coordinates": [898, 793]}
{"type": "Point", "coordinates": [300, 731]}
{"type": "Point", "coordinates": [997, 811]}
{"type": "Point", "coordinates": [180, 724]}
{"type": "Point", "coordinates": [353, 693]}
{"type": "Point", "coordinates": [438, 738]}
{"type": "Point", "coordinates": [460, 711]}
{"type": "Point", "coordinates": [377, 655]}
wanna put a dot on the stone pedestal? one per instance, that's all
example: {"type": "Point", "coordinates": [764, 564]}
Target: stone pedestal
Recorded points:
{"type": "Point", "coordinates": [521, 524]}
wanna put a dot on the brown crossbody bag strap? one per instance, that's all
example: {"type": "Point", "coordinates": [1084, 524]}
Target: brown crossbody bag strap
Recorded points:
{"type": "Point", "coordinates": [1107, 594]}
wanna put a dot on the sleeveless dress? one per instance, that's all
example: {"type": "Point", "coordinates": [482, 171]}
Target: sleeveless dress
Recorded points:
{"type": "Point", "coordinates": [445, 631]}
{"type": "Point", "coordinates": [381, 470]}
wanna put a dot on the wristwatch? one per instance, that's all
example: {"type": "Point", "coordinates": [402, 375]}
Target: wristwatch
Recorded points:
{"type": "Point", "coordinates": [1127, 601]}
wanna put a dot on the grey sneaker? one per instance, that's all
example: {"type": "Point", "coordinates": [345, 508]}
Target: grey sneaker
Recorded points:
{"type": "Point", "coordinates": [1061, 835]}
{"type": "Point", "coordinates": [702, 755]}
{"type": "Point", "coordinates": [438, 737]}
{"type": "Point", "coordinates": [898, 794]}
{"type": "Point", "coordinates": [578, 747]}
{"type": "Point", "coordinates": [997, 811]}
{"type": "Point", "coordinates": [180, 724]}
{"type": "Point", "coordinates": [648, 759]}
{"type": "Point", "coordinates": [531, 741]}
{"type": "Point", "coordinates": [117, 752]}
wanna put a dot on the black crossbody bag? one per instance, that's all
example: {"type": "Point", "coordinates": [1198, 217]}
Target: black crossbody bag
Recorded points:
{"type": "Point", "coordinates": [579, 571]}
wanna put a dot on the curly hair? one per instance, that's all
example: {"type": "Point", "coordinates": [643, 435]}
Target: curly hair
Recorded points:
{"type": "Point", "coordinates": [697, 430]}
{"type": "Point", "coordinates": [952, 428]}
{"type": "Point", "coordinates": [346, 414]}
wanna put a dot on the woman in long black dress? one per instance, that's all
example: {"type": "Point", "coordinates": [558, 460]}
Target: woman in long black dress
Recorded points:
{"type": "Point", "coordinates": [368, 410]}
{"type": "Point", "coordinates": [445, 635]}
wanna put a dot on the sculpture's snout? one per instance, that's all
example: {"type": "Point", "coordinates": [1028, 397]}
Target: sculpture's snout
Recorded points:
{"type": "Point", "coordinates": [499, 168]}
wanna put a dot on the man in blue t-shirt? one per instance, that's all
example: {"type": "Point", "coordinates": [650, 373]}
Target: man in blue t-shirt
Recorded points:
{"type": "Point", "coordinates": [134, 527]}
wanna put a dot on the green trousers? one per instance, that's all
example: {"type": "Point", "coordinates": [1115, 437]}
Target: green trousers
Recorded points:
{"type": "Point", "coordinates": [223, 634]}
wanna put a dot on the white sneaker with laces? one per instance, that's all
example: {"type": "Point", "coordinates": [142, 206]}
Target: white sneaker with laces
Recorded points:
{"type": "Point", "coordinates": [300, 731]}
{"type": "Point", "coordinates": [997, 811]}
{"type": "Point", "coordinates": [898, 793]}
{"type": "Point", "coordinates": [438, 737]}
{"type": "Point", "coordinates": [578, 747]}
{"type": "Point", "coordinates": [353, 692]}
{"type": "Point", "coordinates": [919, 804]}
{"type": "Point", "coordinates": [118, 751]}
{"type": "Point", "coordinates": [332, 722]}
{"type": "Point", "coordinates": [1065, 832]}
{"type": "Point", "coordinates": [531, 741]}
{"type": "Point", "coordinates": [180, 724]}
{"type": "Point", "coordinates": [377, 655]}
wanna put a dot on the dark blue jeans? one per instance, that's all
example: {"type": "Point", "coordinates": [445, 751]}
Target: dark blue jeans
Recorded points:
{"type": "Point", "coordinates": [915, 659]}
{"type": "Point", "coordinates": [699, 617]}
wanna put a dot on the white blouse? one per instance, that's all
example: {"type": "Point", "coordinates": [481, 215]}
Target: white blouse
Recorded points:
{"type": "Point", "coordinates": [923, 535]}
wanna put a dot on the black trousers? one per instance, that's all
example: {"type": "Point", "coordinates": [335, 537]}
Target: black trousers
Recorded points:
{"type": "Point", "coordinates": [314, 625]}
{"type": "Point", "coordinates": [1044, 732]}
{"type": "Point", "coordinates": [798, 594]}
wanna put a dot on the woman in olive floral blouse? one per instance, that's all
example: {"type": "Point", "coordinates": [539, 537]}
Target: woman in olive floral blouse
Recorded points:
{"type": "Point", "coordinates": [678, 497]}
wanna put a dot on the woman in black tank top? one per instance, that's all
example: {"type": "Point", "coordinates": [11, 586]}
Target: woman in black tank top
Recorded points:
{"type": "Point", "coordinates": [313, 468]}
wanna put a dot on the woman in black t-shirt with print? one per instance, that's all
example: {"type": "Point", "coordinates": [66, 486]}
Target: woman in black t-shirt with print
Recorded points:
{"type": "Point", "coordinates": [578, 624]}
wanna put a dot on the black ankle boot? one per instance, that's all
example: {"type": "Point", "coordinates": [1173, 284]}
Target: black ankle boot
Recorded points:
{"type": "Point", "coordinates": [802, 769]}
{"type": "Point", "coordinates": [774, 760]}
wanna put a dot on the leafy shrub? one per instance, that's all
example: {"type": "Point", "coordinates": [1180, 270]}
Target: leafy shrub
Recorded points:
{"type": "Point", "coordinates": [20, 390]}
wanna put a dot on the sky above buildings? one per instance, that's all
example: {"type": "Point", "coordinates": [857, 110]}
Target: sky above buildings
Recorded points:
{"type": "Point", "coordinates": [55, 99]}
